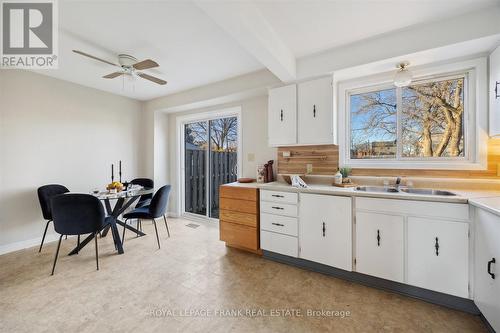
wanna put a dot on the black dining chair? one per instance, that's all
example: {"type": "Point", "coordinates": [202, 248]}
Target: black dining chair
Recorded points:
{"type": "Point", "coordinates": [78, 214]}
{"type": "Point", "coordinates": [45, 193]}
{"type": "Point", "coordinates": [147, 183]}
{"type": "Point", "coordinates": [155, 210]}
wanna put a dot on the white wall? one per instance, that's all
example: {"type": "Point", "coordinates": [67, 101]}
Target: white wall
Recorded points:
{"type": "Point", "coordinates": [53, 131]}
{"type": "Point", "coordinates": [254, 140]}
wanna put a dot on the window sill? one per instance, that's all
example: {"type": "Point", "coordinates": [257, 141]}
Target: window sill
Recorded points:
{"type": "Point", "coordinates": [419, 165]}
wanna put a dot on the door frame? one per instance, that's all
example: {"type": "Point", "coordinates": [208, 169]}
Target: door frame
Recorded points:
{"type": "Point", "coordinates": [196, 117]}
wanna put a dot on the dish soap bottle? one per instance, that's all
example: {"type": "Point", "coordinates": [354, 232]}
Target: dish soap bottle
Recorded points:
{"type": "Point", "coordinates": [338, 178]}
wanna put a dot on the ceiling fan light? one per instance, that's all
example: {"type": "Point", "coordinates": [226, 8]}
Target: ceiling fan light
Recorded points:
{"type": "Point", "coordinates": [403, 76]}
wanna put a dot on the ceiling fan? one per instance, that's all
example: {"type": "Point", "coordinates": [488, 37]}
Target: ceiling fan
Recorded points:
{"type": "Point", "coordinates": [129, 65]}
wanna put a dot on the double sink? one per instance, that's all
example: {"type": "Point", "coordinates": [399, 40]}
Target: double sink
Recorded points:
{"type": "Point", "coordinates": [421, 191]}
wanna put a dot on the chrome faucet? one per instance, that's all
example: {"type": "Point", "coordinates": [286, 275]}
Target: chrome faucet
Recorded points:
{"type": "Point", "coordinates": [398, 183]}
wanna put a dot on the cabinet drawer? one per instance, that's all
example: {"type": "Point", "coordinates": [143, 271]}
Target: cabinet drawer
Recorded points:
{"type": "Point", "coordinates": [242, 193]}
{"type": "Point", "coordinates": [236, 205]}
{"type": "Point", "coordinates": [281, 224]}
{"type": "Point", "coordinates": [240, 235]}
{"type": "Point", "coordinates": [238, 218]}
{"type": "Point", "coordinates": [279, 243]}
{"type": "Point", "coordinates": [278, 208]}
{"type": "Point", "coordinates": [277, 196]}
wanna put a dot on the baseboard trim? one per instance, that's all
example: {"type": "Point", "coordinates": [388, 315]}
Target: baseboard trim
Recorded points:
{"type": "Point", "coordinates": [487, 323]}
{"type": "Point", "coordinates": [21, 245]}
{"type": "Point", "coordinates": [449, 301]}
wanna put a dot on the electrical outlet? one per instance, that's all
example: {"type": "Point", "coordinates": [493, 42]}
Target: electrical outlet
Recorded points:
{"type": "Point", "coordinates": [309, 168]}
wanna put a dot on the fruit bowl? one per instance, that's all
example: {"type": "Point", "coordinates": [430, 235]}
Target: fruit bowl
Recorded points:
{"type": "Point", "coordinates": [115, 186]}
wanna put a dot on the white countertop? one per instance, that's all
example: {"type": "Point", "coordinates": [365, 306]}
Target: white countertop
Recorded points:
{"type": "Point", "coordinates": [461, 197]}
{"type": "Point", "coordinates": [491, 204]}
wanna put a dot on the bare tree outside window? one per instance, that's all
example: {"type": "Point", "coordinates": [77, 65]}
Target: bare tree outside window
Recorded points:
{"type": "Point", "coordinates": [432, 119]}
{"type": "Point", "coordinates": [431, 116]}
{"type": "Point", "coordinates": [373, 124]}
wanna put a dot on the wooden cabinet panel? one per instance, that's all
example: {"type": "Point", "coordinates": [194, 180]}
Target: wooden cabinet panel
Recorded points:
{"type": "Point", "coordinates": [238, 218]}
{"type": "Point", "coordinates": [240, 235]}
{"type": "Point", "coordinates": [236, 205]}
{"type": "Point", "coordinates": [241, 193]}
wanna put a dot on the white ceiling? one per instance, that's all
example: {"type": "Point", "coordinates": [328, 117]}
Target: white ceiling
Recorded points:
{"type": "Point", "coordinates": [190, 48]}
{"type": "Point", "coordinates": [193, 50]}
{"type": "Point", "coordinates": [309, 27]}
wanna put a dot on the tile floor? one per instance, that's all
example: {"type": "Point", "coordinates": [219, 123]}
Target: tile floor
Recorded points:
{"type": "Point", "coordinates": [196, 284]}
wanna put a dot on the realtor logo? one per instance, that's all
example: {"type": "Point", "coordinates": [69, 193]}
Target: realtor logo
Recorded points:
{"type": "Point", "coordinates": [29, 34]}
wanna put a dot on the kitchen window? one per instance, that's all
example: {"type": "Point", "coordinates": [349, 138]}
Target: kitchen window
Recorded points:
{"type": "Point", "coordinates": [432, 123]}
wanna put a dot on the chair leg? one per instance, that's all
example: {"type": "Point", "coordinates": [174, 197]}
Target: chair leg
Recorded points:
{"type": "Point", "coordinates": [156, 230]}
{"type": "Point", "coordinates": [166, 225]}
{"type": "Point", "coordinates": [123, 235]}
{"type": "Point", "coordinates": [77, 242]}
{"type": "Point", "coordinates": [57, 254]}
{"type": "Point", "coordinates": [96, 251]}
{"type": "Point", "coordinates": [43, 237]}
{"type": "Point", "coordinates": [66, 237]}
{"type": "Point", "coordinates": [137, 227]}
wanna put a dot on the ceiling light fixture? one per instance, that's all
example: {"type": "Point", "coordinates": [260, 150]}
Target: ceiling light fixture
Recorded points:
{"type": "Point", "coordinates": [403, 75]}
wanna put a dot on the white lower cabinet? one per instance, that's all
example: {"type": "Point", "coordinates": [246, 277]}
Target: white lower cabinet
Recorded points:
{"type": "Point", "coordinates": [438, 255]}
{"type": "Point", "coordinates": [380, 245]}
{"type": "Point", "coordinates": [487, 266]}
{"type": "Point", "coordinates": [325, 230]}
{"type": "Point", "coordinates": [278, 243]}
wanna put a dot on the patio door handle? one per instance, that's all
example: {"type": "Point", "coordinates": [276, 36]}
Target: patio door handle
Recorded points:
{"type": "Point", "coordinates": [281, 115]}
{"type": "Point", "coordinates": [496, 90]}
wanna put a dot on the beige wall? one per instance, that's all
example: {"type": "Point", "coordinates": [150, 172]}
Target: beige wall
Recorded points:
{"type": "Point", "coordinates": [254, 140]}
{"type": "Point", "coordinates": [53, 131]}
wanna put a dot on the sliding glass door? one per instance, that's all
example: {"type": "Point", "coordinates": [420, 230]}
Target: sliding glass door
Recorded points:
{"type": "Point", "coordinates": [210, 159]}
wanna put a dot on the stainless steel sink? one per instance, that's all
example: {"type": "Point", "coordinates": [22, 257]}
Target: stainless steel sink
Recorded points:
{"type": "Point", "coordinates": [377, 189]}
{"type": "Point", "coordinates": [426, 191]}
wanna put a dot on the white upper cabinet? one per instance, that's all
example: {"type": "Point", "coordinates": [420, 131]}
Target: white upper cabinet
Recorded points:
{"type": "Point", "coordinates": [301, 114]}
{"type": "Point", "coordinates": [438, 255]}
{"type": "Point", "coordinates": [315, 111]}
{"type": "Point", "coordinates": [487, 266]}
{"type": "Point", "coordinates": [282, 116]}
{"type": "Point", "coordinates": [325, 230]}
{"type": "Point", "coordinates": [495, 92]}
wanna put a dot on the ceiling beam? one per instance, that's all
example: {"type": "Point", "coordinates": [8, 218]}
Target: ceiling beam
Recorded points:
{"type": "Point", "coordinates": [246, 24]}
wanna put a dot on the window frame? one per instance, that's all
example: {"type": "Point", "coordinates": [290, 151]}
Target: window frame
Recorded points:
{"type": "Point", "coordinates": [475, 123]}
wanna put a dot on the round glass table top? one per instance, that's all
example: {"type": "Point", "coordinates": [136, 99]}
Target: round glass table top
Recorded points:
{"type": "Point", "coordinates": [129, 193]}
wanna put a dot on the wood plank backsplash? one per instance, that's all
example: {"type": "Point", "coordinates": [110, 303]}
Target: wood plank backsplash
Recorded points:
{"type": "Point", "coordinates": [329, 165]}
{"type": "Point", "coordinates": [324, 159]}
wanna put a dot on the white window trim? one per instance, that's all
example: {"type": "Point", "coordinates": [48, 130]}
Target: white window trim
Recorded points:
{"type": "Point", "coordinates": [476, 132]}
{"type": "Point", "coordinates": [203, 116]}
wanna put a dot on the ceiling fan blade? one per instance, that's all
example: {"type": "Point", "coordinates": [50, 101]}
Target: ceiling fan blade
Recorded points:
{"type": "Point", "coordinates": [95, 58]}
{"type": "Point", "coordinates": [113, 75]}
{"type": "Point", "coordinates": [152, 78]}
{"type": "Point", "coordinates": [145, 64]}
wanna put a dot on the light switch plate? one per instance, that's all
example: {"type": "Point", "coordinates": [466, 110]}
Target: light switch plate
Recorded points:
{"type": "Point", "coordinates": [286, 154]}
{"type": "Point", "coordinates": [309, 168]}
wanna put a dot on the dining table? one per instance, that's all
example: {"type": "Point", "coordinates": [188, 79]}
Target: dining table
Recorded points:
{"type": "Point", "coordinates": [116, 204]}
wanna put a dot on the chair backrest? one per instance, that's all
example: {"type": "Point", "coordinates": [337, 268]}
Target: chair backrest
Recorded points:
{"type": "Point", "coordinates": [159, 202]}
{"type": "Point", "coordinates": [76, 214]}
{"type": "Point", "coordinates": [146, 183]}
{"type": "Point", "coordinates": [45, 193]}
